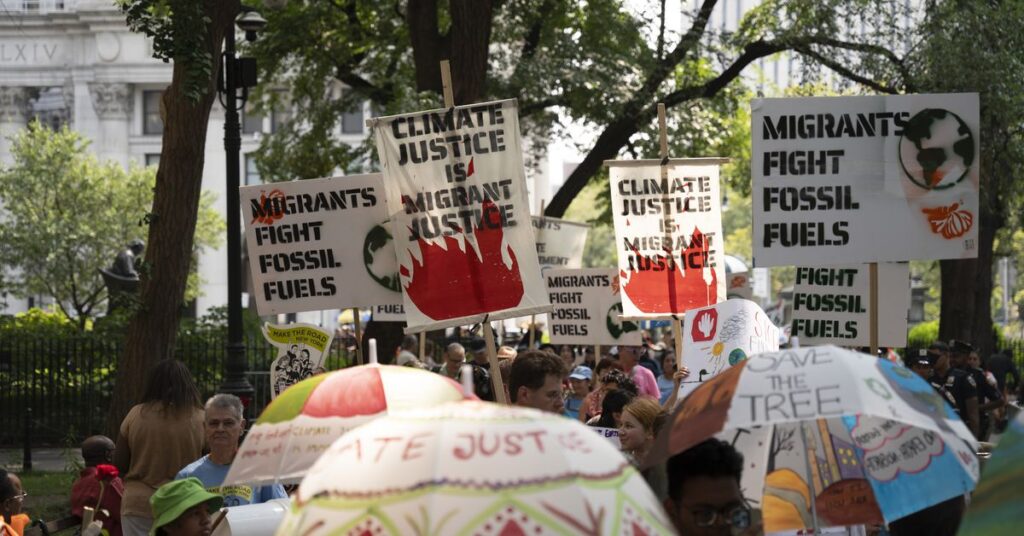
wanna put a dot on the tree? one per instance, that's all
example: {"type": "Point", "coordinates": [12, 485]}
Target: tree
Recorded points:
{"type": "Point", "coordinates": [68, 215]}
{"type": "Point", "coordinates": [191, 34]}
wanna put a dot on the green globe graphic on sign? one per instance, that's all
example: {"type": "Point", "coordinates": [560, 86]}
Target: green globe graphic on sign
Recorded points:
{"type": "Point", "coordinates": [936, 149]}
{"type": "Point", "coordinates": [379, 258]}
{"type": "Point", "coordinates": [615, 326]}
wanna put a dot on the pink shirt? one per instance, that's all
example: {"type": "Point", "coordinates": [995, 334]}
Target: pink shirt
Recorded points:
{"type": "Point", "coordinates": [645, 382]}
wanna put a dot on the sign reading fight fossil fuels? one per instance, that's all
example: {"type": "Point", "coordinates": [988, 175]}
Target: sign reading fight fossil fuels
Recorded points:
{"type": "Point", "coordinates": [843, 180]}
{"type": "Point", "coordinates": [299, 238]}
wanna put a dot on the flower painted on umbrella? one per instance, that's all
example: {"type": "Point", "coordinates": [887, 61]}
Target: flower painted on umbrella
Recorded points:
{"type": "Point", "coordinates": [950, 222]}
{"type": "Point", "coordinates": [481, 278]}
{"type": "Point", "coordinates": [655, 284]}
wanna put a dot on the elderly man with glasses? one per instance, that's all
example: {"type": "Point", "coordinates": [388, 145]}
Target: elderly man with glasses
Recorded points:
{"type": "Point", "coordinates": [224, 425]}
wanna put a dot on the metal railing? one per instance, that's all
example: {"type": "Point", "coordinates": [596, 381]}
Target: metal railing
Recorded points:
{"type": "Point", "coordinates": [66, 383]}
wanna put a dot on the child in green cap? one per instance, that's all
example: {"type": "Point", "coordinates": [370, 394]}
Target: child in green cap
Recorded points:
{"type": "Point", "coordinates": [182, 508]}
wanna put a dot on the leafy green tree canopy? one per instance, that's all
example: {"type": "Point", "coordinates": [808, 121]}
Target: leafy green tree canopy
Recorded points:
{"type": "Point", "coordinates": [67, 215]}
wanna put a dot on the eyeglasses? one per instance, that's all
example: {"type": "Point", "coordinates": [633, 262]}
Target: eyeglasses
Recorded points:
{"type": "Point", "coordinates": [736, 515]}
{"type": "Point", "coordinates": [19, 497]}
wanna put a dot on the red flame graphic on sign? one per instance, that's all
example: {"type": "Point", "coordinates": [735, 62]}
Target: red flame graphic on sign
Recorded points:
{"type": "Point", "coordinates": [272, 207]}
{"type": "Point", "coordinates": [452, 283]}
{"type": "Point", "coordinates": [669, 290]}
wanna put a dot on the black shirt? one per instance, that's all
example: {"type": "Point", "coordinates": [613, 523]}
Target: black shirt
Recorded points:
{"type": "Point", "coordinates": [986, 392]}
{"type": "Point", "coordinates": [961, 386]}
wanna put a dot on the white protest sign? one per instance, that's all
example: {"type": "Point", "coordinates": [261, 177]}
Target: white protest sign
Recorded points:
{"type": "Point", "coordinates": [831, 305]}
{"type": "Point", "coordinates": [460, 215]}
{"type": "Point", "coordinates": [668, 234]}
{"type": "Point", "coordinates": [718, 337]}
{"type": "Point", "coordinates": [865, 179]}
{"type": "Point", "coordinates": [611, 434]}
{"type": "Point", "coordinates": [391, 312]}
{"type": "Point", "coordinates": [560, 243]}
{"type": "Point", "coordinates": [301, 352]}
{"type": "Point", "coordinates": [300, 237]}
{"type": "Point", "coordinates": [587, 308]}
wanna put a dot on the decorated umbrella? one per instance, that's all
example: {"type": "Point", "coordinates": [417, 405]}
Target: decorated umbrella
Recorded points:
{"type": "Point", "coordinates": [996, 505]}
{"type": "Point", "coordinates": [473, 468]}
{"type": "Point", "coordinates": [298, 426]}
{"type": "Point", "coordinates": [830, 437]}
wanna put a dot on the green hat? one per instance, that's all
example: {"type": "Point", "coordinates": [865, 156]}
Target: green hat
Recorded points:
{"type": "Point", "coordinates": [175, 497]}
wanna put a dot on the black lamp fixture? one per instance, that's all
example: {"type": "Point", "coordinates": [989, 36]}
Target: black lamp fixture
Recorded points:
{"type": "Point", "coordinates": [236, 76]}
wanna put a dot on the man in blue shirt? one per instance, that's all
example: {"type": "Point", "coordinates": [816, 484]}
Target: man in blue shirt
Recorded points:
{"type": "Point", "coordinates": [224, 425]}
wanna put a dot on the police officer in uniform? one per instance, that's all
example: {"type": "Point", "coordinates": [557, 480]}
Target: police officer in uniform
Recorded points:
{"type": "Point", "coordinates": [922, 365]}
{"type": "Point", "coordinates": [960, 384]}
{"type": "Point", "coordinates": [989, 397]}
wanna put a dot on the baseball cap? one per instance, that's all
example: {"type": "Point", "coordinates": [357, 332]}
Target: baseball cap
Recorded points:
{"type": "Point", "coordinates": [923, 358]}
{"type": "Point", "coordinates": [581, 373]}
{"type": "Point", "coordinates": [175, 497]}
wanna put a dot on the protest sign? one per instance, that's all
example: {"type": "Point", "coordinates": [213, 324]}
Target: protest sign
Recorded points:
{"type": "Point", "coordinates": [586, 308]}
{"type": "Point", "coordinates": [865, 179]}
{"type": "Point", "coordinates": [300, 238]}
{"type": "Point", "coordinates": [668, 234]}
{"type": "Point", "coordinates": [560, 242]}
{"type": "Point", "coordinates": [611, 434]}
{"type": "Point", "coordinates": [301, 349]}
{"type": "Point", "coordinates": [460, 218]}
{"type": "Point", "coordinates": [831, 305]}
{"type": "Point", "coordinates": [391, 312]}
{"type": "Point", "coordinates": [720, 336]}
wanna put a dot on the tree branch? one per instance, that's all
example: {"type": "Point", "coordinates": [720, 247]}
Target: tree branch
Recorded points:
{"type": "Point", "coordinates": [845, 72]}
{"type": "Point", "coordinates": [530, 108]}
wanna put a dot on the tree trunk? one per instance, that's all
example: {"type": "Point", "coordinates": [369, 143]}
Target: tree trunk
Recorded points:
{"type": "Point", "coordinates": [465, 45]}
{"type": "Point", "coordinates": [153, 328]}
{"type": "Point", "coordinates": [966, 307]}
{"type": "Point", "coordinates": [389, 336]}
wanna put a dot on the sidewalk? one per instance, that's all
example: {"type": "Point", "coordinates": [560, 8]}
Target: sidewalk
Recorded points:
{"type": "Point", "coordinates": [46, 460]}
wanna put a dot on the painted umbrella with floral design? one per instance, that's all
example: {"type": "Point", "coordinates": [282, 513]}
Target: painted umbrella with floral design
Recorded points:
{"type": "Point", "coordinates": [830, 437]}
{"type": "Point", "coordinates": [474, 468]}
{"type": "Point", "coordinates": [298, 426]}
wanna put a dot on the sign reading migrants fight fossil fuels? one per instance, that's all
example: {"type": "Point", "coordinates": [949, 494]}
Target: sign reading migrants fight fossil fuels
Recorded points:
{"type": "Point", "coordinates": [459, 215]}
{"type": "Point", "coordinates": [668, 234]}
{"type": "Point", "coordinates": [831, 304]}
{"type": "Point", "coordinates": [587, 308]}
{"type": "Point", "coordinates": [299, 237]}
{"type": "Point", "coordinates": [865, 179]}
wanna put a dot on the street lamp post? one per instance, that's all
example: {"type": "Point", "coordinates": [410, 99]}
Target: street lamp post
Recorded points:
{"type": "Point", "coordinates": [236, 74]}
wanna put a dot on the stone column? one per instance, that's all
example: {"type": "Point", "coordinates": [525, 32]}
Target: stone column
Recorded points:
{"type": "Point", "coordinates": [113, 105]}
{"type": "Point", "coordinates": [14, 114]}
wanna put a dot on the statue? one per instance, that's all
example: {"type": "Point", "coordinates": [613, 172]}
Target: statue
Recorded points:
{"type": "Point", "coordinates": [122, 279]}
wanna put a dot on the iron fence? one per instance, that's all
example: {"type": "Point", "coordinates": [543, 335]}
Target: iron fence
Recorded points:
{"type": "Point", "coordinates": [60, 388]}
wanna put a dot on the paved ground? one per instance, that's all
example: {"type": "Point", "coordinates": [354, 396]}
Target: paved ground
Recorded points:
{"type": "Point", "coordinates": [51, 460]}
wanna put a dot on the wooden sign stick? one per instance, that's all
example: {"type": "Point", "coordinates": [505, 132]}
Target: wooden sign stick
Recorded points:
{"type": "Point", "coordinates": [677, 323]}
{"type": "Point", "coordinates": [873, 309]}
{"type": "Point", "coordinates": [423, 345]}
{"type": "Point", "coordinates": [359, 336]}
{"type": "Point", "coordinates": [492, 351]}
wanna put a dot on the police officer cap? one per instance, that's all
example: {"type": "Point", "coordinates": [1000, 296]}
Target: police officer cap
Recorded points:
{"type": "Point", "coordinates": [938, 347]}
{"type": "Point", "coordinates": [960, 347]}
{"type": "Point", "coordinates": [923, 358]}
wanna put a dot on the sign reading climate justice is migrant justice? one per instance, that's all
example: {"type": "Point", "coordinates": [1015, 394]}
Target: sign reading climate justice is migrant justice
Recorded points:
{"type": "Point", "coordinates": [560, 242]}
{"type": "Point", "coordinates": [831, 305]}
{"type": "Point", "coordinates": [865, 179]}
{"type": "Point", "coordinates": [460, 215]}
{"type": "Point", "coordinates": [307, 244]}
{"type": "Point", "coordinates": [587, 308]}
{"type": "Point", "coordinates": [668, 234]}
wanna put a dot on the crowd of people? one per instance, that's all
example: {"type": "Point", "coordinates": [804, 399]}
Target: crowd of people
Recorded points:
{"type": "Point", "coordinates": [169, 486]}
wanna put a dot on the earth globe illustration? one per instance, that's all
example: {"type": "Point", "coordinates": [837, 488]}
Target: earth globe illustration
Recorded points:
{"type": "Point", "coordinates": [379, 258]}
{"type": "Point", "coordinates": [937, 149]}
